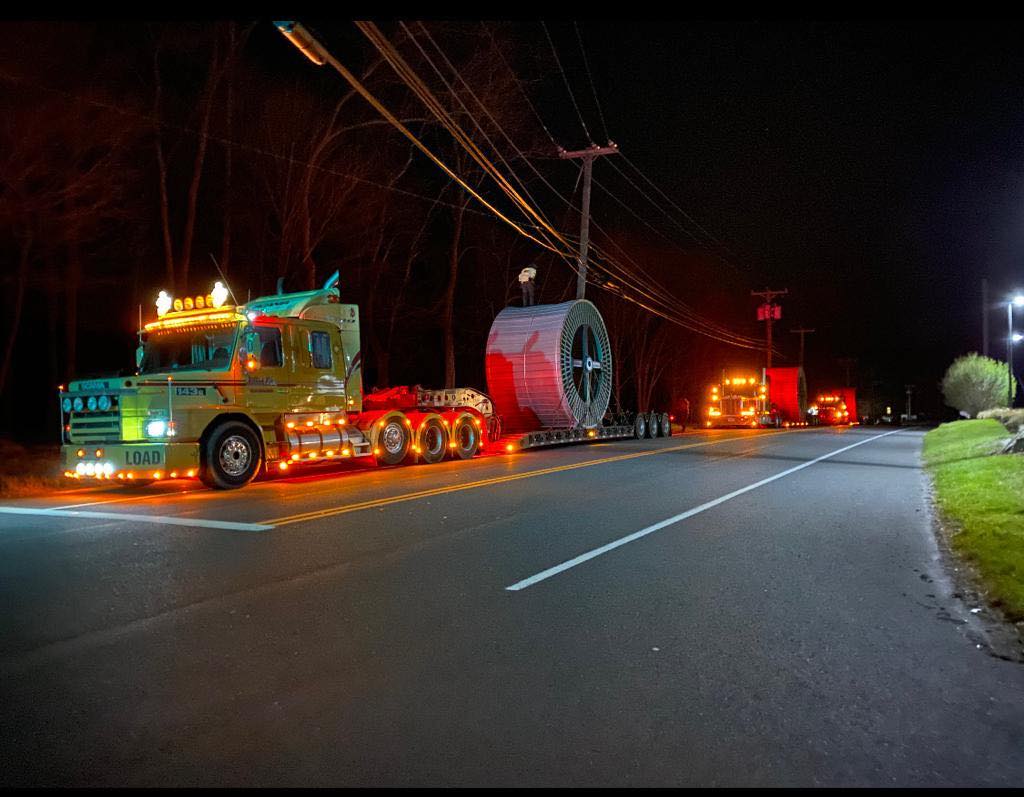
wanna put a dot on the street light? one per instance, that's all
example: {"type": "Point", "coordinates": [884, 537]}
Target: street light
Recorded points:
{"type": "Point", "coordinates": [1011, 338]}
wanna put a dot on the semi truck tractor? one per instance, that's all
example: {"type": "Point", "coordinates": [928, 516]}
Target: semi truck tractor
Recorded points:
{"type": "Point", "coordinates": [832, 409]}
{"type": "Point", "coordinates": [740, 399]}
{"type": "Point", "coordinates": [223, 393]}
{"type": "Point", "coordinates": [776, 397]}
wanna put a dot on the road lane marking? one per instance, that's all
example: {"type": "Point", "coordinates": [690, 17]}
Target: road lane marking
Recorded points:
{"type": "Point", "coordinates": [159, 519]}
{"type": "Point", "coordinates": [586, 557]}
{"type": "Point", "coordinates": [131, 498]}
{"type": "Point", "coordinates": [318, 514]}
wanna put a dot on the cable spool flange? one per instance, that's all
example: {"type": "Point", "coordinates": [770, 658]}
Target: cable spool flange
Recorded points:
{"type": "Point", "coordinates": [550, 366]}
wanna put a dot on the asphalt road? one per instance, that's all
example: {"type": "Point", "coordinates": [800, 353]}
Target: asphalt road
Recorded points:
{"type": "Point", "coordinates": [724, 608]}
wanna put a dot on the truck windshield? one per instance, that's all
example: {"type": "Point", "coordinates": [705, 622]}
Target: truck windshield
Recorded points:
{"type": "Point", "coordinates": [208, 349]}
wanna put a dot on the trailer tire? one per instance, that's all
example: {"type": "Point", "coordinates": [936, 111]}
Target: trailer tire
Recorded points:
{"type": "Point", "coordinates": [432, 440]}
{"type": "Point", "coordinates": [231, 456]}
{"type": "Point", "coordinates": [652, 425]}
{"type": "Point", "coordinates": [666, 425]}
{"type": "Point", "coordinates": [640, 426]}
{"type": "Point", "coordinates": [393, 440]}
{"type": "Point", "coordinates": [465, 437]}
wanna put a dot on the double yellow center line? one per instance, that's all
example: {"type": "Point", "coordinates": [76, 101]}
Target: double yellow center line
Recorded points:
{"type": "Point", "coordinates": [454, 488]}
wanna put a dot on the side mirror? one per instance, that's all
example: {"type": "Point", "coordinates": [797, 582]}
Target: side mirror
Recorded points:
{"type": "Point", "coordinates": [139, 354]}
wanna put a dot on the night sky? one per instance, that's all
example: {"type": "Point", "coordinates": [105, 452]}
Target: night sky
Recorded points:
{"type": "Point", "coordinates": [874, 170]}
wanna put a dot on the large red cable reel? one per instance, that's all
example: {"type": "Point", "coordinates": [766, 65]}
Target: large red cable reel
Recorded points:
{"type": "Point", "coordinates": [549, 366]}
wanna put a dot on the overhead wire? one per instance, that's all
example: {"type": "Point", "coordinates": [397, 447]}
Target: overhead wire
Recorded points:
{"type": "Point", "coordinates": [565, 79]}
{"type": "Point", "coordinates": [621, 273]}
{"type": "Point", "coordinates": [622, 277]}
{"type": "Point", "coordinates": [412, 79]}
{"type": "Point", "coordinates": [515, 79]}
{"type": "Point", "coordinates": [611, 267]}
{"type": "Point", "coordinates": [590, 77]}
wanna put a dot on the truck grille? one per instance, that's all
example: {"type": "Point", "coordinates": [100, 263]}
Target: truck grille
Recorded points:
{"type": "Point", "coordinates": [95, 427]}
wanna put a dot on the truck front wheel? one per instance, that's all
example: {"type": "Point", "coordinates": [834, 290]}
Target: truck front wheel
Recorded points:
{"type": "Point", "coordinates": [231, 456]}
{"type": "Point", "coordinates": [393, 441]}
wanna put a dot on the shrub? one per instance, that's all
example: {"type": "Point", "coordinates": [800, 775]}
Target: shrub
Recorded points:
{"type": "Point", "coordinates": [1013, 420]}
{"type": "Point", "coordinates": [973, 384]}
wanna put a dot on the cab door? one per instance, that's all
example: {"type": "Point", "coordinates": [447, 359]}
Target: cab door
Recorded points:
{"type": "Point", "coordinates": [268, 371]}
{"type": "Point", "coordinates": [326, 365]}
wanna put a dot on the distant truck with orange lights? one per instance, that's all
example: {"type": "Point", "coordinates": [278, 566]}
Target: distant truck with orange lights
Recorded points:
{"type": "Point", "coordinates": [775, 397]}
{"type": "Point", "coordinates": [834, 407]}
{"type": "Point", "coordinates": [222, 392]}
{"type": "Point", "coordinates": [739, 399]}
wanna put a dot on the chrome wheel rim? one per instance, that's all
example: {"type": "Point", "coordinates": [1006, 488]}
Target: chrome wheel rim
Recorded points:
{"type": "Point", "coordinates": [235, 455]}
{"type": "Point", "coordinates": [393, 438]}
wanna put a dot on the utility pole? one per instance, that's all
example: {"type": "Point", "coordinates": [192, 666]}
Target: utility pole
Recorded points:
{"type": "Point", "coordinates": [1009, 354]}
{"type": "Point", "coordinates": [984, 317]}
{"type": "Point", "coordinates": [802, 332]}
{"type": "Point", "coordinates": [768, 313]}
{"type": "Point", "coordinates": [910, 392]}
{"type": "Point", "coordinates": [587, 156]}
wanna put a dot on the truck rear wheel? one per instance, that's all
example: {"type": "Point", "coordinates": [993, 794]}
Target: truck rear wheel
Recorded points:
{"type": "Point", "coordinates": [231, 456]}
{"type": "Point", "coordinates": [640, 426]}
{"type": "Point", "coordinates": [393, 441]}
{"type": "Point", "coordinates": [465, 437]}
{"type": "Point", "coordinates": [653, 423]}
{"type": "Point", "coordinates": [433, 440]}
{"type": "Point", "coordinates": [666, 425]}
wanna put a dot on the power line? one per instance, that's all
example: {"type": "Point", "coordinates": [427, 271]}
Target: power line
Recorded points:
{"type": "Point", "coordinates": [409, 76]}
{"type": "Point", "coordinates": [519, 86]}
{"type": "Point", "coordinates": [590, 77]}
{"type": "Point", "coordinates": [668, 199]}
{"type": "Point", "coordinates": [455, 95]}
{"type": "Point", "coordinates": [572, 96]}
{"type": "Point", "coordinates": [696, 317]}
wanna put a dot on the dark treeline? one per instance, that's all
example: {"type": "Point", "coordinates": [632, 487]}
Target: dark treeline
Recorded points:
{"type": "Point", "coordinates": [132, 156]}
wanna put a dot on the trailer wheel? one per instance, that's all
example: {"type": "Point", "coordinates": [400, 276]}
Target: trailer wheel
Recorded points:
{"type": "Point", "coordinates": [640, 426]}
{"type": "Point", "coordinates": [652, 425]}
{"type": "Point", "coordinates": [666, 425]}
{"type": "Point", "coordinates": [465, 440]}
{"type": "Point", "coordinates": [231, 457]}
{"type": "Point", "coordinates": [433, 440]}
{"type": "Point", "coordinates": [393, 440]}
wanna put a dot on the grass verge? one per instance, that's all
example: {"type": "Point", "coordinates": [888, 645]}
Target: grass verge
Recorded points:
{"type": "Point", "coordinates": [26, 471]}
{"type": "Point", "coordinates": [984, 496]}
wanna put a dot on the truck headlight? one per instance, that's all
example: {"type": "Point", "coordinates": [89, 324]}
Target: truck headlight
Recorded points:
{"type": "Point", "coordinates": [91, 403]}
{"type": "Point", "coordinates": [66, 405]}
{"type": "Point", "coordinates": [104, 403]}
{"type": "Point", "coordinates": [157, 428]}
{"type": "Point", "coordinates": [78, 404]}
